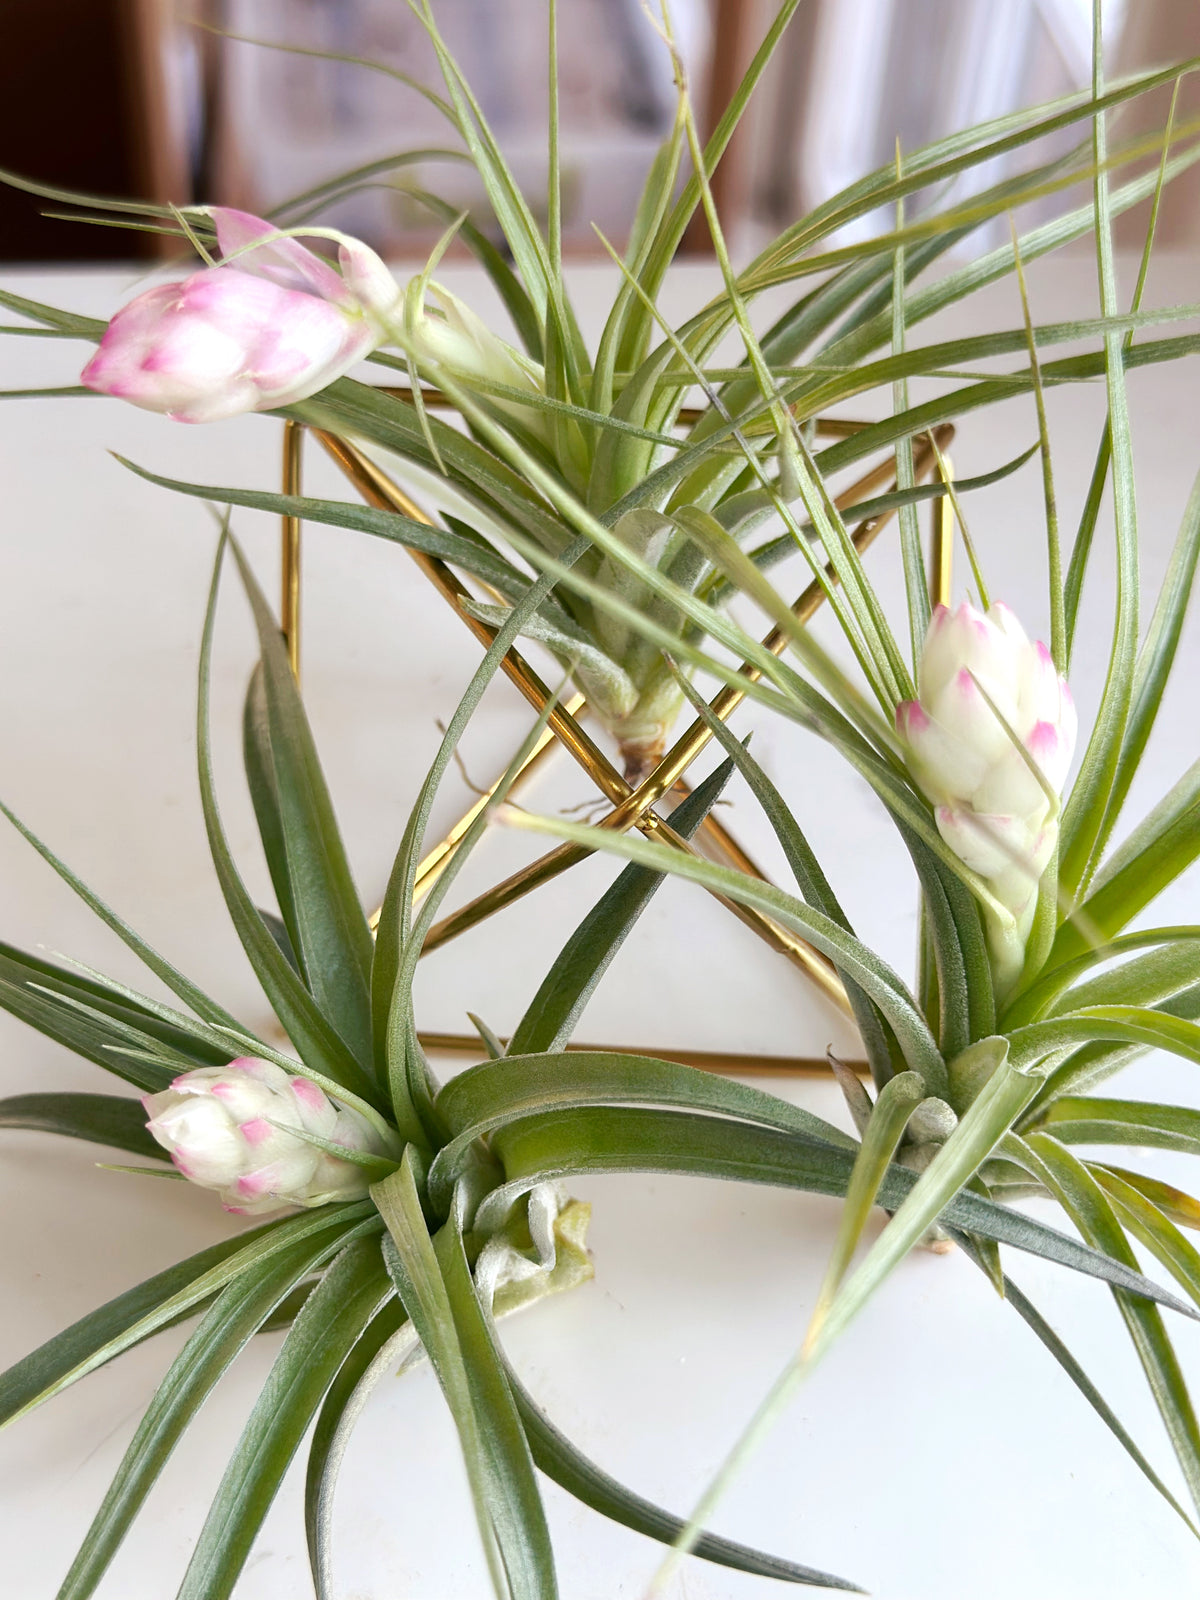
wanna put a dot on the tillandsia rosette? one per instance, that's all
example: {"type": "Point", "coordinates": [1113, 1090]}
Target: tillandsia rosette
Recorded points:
{"type": "Point", "coordinates": [602, 513]}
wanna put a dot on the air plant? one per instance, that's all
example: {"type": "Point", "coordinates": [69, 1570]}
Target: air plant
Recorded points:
{"type": "Point", "coordinates": [611, 427]}
{"type": "Point", "coordinates": [613, 529]}
{"type": "Point", "coordinates": [428, 1210]}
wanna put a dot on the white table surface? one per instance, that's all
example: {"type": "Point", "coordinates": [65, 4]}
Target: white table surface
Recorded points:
{"type": "Point", "coordinates": [939, 1453]}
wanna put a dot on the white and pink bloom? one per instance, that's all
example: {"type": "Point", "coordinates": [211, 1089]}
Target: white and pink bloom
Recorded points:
{"type": "Point", "coordinates": [237, 1129]}
{"type": "Point", "coordinates": [989, 740]}
{"type": "Point", "coordinates": [270, 325]}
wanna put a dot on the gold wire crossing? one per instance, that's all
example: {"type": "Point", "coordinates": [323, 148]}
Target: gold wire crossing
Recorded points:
{"type": "Point", "coordinates": [631, 806]}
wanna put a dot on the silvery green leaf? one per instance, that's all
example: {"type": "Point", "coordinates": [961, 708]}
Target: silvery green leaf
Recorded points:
{"type": "Point", "coordinates": [326, 1329]}
{"type": "Point", "coordinates": [605, 683]}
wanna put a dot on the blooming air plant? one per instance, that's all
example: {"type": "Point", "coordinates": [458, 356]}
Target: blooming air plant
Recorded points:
{"type": "Point", "coordinates": [614, 519]}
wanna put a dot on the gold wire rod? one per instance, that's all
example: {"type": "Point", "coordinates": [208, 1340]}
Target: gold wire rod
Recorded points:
{"type": "Point", "coordinates": [721, 1061]}
{"type": "Point", "coordinates": [522, 882]}
{"type": "Point", "coordinates": [289, 603]}
{"type": "Point", "coordinates": [379, 490]}
{"type": "Point", "coordinates": [941, 543]}
{"type": "Point", "coordinates": [435, 862]}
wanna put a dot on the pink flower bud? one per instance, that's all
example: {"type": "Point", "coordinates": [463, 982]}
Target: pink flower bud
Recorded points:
{"type": "Point", "coordinates": [252, 244]}
{"type": "Point", "coordinates": [989, 741]}
{"type": "Point", "coordinates": [368, 279]}
{"type": "Point", "coordinates": [272, 325]}
{"type": "Point", "coordinates": [231, 1129]}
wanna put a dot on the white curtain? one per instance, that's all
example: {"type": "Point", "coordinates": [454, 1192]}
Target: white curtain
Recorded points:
{"type": "Point", "coordinates": [915, 70]}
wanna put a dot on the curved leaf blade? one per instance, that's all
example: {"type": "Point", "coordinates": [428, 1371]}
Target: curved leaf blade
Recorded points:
{"type": "Point", "coordinates": [317, 1041]}
{"type": "Point", "coordinates": [236, 1315]}
{"type": "Point", "coordinates": [518, 1556]}
{"type": "Point", "coordinates": [559, 1459]}
{"type": "Point", "coordinates": [321, 908]}
{"type": "Point", "coordinates": [194, 998]}
{"type": "Point", "coordinates": [150, 1306]}
{"type": "Point", "coordinates": [1032, 1317]}
{"type": "Point", "coordinates": [568, 1143]}
{"type": "Point", "coordinates": [484, 1098]}
{"type": "Point", "coordinates": [1005, 1095]}
{"type": "Point", "coordinates": [897, 1101]}
{"type": "Point", "coordinates": [1088, 1119]}
{"type": "Point", "coordinates": [385, 1346]}
{"type": "Point", "coordinates": [1155, 1230]}
{"type": "Point", "coordinates": [329, 1324]}
{"type": "Point", "coordinates": [1086, 1203]}
{"type": "Point", "coordinates": [517, 1502]}
{"type": "Point", "coordinates": [110, 1119]}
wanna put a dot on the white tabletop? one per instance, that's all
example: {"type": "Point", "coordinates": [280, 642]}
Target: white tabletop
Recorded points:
{"type": "Point", "coordinates": [939, 1452]}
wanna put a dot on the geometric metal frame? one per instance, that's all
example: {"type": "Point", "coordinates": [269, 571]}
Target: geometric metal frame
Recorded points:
{"type": "Point", "coordinates": [632, 805]}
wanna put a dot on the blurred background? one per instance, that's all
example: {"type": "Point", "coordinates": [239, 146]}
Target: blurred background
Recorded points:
{"type": "Point", "coordinates": [157, 99]}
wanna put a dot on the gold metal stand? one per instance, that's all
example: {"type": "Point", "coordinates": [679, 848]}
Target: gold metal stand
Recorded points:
{"type": "Point", "coordinates": [941, 541]}
{"type": "Point", "coordinates": [734, 1063]}
{"type": "Point", "coordinates": [632, 807]}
